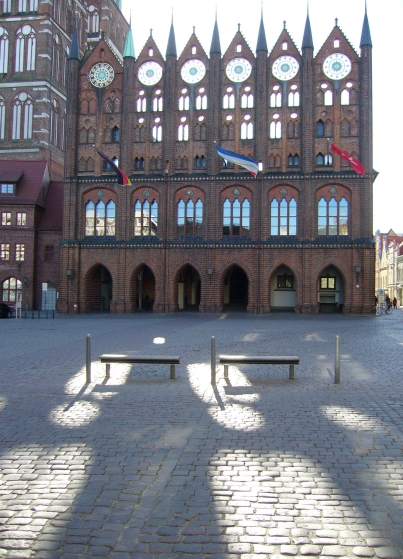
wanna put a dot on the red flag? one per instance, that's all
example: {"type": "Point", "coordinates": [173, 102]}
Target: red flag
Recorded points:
{"type": "Point", "coordinates": [355, 164]}
{"type": "Point", "coordinates": [122, 178]}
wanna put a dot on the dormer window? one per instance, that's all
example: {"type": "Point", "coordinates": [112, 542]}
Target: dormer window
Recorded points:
{"type": "Point", "coordinates": [7, 188]}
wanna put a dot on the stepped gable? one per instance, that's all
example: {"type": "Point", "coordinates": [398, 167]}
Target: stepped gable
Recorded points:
{"type": "Point", "coordinates": [246, 51]}
{"type": "Point", "coordinates": [186, 53]}
{"type": "Point", "coordinates": [144, 55]}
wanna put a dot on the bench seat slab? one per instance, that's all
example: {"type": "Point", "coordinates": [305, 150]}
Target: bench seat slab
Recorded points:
{"type": "Point", "coordinates": [109, 358]}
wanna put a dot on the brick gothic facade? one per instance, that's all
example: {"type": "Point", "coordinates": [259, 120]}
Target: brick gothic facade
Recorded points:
{"type": "Point", "coordinates": [192, 233]}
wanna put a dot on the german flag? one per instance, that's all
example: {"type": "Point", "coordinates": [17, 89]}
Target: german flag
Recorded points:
{"type": "Point", "coordinates": [122, 178]}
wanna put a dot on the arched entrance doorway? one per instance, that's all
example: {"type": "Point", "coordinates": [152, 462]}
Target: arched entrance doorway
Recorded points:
{"type": "Point", "coordinates": [98, 289]}
{"type": "Point", "coordinates": [143, 289]}
{"type": "Point", "coordinates": [330, 291]}
{"type": "Point", "coordinates": [189, 288]}
{"type": "Point", "coordinates": [282, 290]}
{"type": "Point", "coordinates": [236, 290]}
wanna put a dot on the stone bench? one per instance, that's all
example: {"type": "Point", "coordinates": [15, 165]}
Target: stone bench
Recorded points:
{"type": "Point", "coordinates": [290, 360]}
{"type": "Point", "coordinates": [109, 358]}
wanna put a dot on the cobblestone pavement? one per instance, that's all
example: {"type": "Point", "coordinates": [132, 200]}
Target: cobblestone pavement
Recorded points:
{"type": "Point", "coordinates": [141, 466]}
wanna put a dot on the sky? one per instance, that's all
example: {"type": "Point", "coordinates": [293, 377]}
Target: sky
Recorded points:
{"type": "Point", "coordinates": [386, 25]}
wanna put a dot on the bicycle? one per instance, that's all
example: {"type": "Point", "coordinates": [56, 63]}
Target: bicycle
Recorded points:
{"type": "Point", "coordinates": [384, 309]}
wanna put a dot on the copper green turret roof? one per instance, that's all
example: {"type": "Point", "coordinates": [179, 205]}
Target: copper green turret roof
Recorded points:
{"type": "Point", "coordinates": [129, 45]}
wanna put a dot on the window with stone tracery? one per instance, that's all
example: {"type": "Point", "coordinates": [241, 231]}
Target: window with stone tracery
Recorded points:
{"type": "Point", "coordinates": [22, 117]}
{"type": "Point", "coordinates": [4, 45]}
{"type": "Point", "coordinates": [283, 217]}
{"type": "Point", "coordinates": [146, 218]}
{"type": "Point", "coordinates": [25, 49]}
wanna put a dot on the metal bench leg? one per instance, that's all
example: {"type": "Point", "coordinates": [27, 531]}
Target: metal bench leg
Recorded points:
{"type": "Point", "coordinates": [108, 370]}
{"type": "Point", "coordinates": [172, 375]}
{"type": "Point", "coordinates": [292, 377]}
{"type": "Point", "coordinates": [225, 371]}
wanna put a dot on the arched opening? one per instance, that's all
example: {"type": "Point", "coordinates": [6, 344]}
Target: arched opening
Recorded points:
{"type": "Point", "coordinates": [189, 288]}
{"type": "Point", "coordinates": [282, 290]}
{"type": "Point", "coordinates": [330, 291]}
{"type": "Point", "coordinates": [143, 290]}
{"type": "Point", "coordinates": [98, 289]}
{"type": "Point", "coordinates": [236, 290]}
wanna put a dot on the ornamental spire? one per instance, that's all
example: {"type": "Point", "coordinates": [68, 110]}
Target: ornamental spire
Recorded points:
{"type": "Point", "coordinates": [215, 42]}
{"type": "Point", "coordinates": [171, 48]}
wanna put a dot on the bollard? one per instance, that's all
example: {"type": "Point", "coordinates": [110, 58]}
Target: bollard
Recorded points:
{"type": "Point", "coordinates": [337, 362]}
{"type": "Point", "coordinates": [46, 313]}
{"type": "Point", "coordinates": [88, 361]}
{"type": "Point", "coordinates": [213, 365]}
{"type": "Point", "coordinates": [53, 313]}
{"type": "Point", "coordinates": [32, 314]}
{"type": "Point", "coordinates": [39, 313]}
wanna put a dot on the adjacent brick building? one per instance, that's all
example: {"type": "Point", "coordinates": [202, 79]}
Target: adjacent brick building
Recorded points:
{"type": "Point", "coordinates": [191, 232]}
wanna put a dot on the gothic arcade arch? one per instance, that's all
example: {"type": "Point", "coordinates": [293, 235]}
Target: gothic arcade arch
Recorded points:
{"type": "Point", "coordinates": [235, 288]}
{"type": "Point", "coordinates": [282, 289]}
{"type": "Point", "coordinates": [142, 289]}
{"type": "Point", "coordinates": [330, 284]}
{"type": "Point", "coordinates": [98, 285]}
{"type": "Point", "coordinates": [187, 285]}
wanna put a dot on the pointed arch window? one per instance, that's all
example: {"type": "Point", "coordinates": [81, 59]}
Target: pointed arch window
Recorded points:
{"type": "Point", "coordinates": [200, 162]}
{"type": "Point", "coordinates": [4, 45]}
{"type": "Point", "coordinates": [6, 6]}
{"type": "Point", "coordinates": [25, 49]}
{"type": "Point", "coordinates": [93, 20]}
{"type": "Point", "coordinates": [201, 102]}
{"type": "Point", "coordinates": [146, 218]}
{"type": "Point", "coordinates": [157, 132]}
{"type": "Point", "coordinates": [247, 101]}
{"type": "Point", "coordinates": [345, 97]}
{"type": "Point", "coordinates": [141, 102]}
{"type": "Point", "coordinates": [328, 97]}
{"type": "Point", "coordinates": [2, 118]}
{"type": "Point", "coordinates": [293, 99]}
{"type": "Point", "coordinates": [100, 219]}
{"type": "Point", "coordinates": [190, 218]}
{"type": "Point", "coordinates": [139, 164]}
{"type": "Point", "coordinates": [228, 101]}
{"type": "Point", "coordinates": [22, 117]}
{"type": "Point", "coordinates": [326, 159]}
{"type": "Point", "coordinates": [183, 132]}
{"type": "Point", "coordinates": [57, 58]}
{"type": "Point", "coordinates": [275, 97]}
{"type": "Point", "coordinates": [115, 135]}
{"type": "Point", "coordinates": [183, 102]}
{"type": "Point", "coordinates": [247, 131]}
{"type": "Point", "coordinates": [333, 217]}
{"type": "Point", "coordinates": [283, 217]}
{"type": "Point", "coordinates": [293, 160]}
{"type": "Point", "coordinates": [320, 129]}
{"type": "Point", "coordinates": [54, 122]}
{"type": "Point", "coordinates": [275, 129]}
{"type": "Point", "coordinates": [236, 217]}
{"type": "Point", "coordinates": [157, 101]}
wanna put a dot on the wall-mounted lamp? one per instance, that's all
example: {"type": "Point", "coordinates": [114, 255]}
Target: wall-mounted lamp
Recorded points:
{"type": "Point", "coordinates": [25, 280]}
{"type": "Point", "coordinates": [357, 273]}
{"type": "Point", "coordinates": [260, 166]}
{"type": "Point", "coordinates": [210, 272]}
{"type": "Point", "coordinates": [70, 274]}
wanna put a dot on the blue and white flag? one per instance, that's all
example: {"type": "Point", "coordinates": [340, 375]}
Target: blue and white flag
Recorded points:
{"type": "Point", "coordinates": [238, 159]}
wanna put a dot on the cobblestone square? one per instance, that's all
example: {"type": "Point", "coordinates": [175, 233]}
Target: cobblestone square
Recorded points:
{"type": "Point", "coordinates": [260, 466]}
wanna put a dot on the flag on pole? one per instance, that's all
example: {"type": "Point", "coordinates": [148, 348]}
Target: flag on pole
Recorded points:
{"type": "Point", "coordinates": [238, 159]}
{"type": "Point", "coordinates": [122, 178]}
{"type": "Point", "coordinates": [355, 164]}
